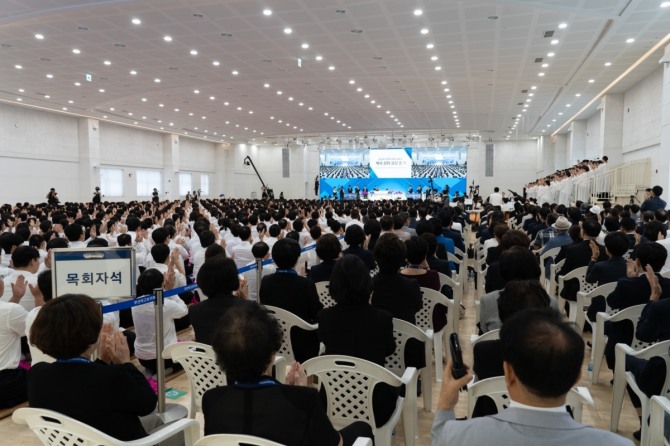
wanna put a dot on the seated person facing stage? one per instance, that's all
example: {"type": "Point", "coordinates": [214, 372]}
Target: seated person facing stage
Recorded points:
{"type": "Point", "coordinates": [255, 404]}
{"type": "Point", "coordinates": [219, 281]}
{"type": "Point", "coordinates": [354, 236]}
{"type": "Point", "coordinates": [109, 394]}
{"type": "Point", "coordinates": [328, 249]}
{"type": "Point", "coordinates": [542, 361]}
{"type": "Point", "coordinates": [12, 328]}
{"type": "Point", "coordinates": [286, 289]}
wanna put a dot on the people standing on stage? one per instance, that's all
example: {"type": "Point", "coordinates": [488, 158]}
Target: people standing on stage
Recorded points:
{"type": "Point", "coordinates": [365, 192]}
{"type": "Point", "coordinates": [97, 195]}
{"type": "Point", "coordinates": [154, 196]}
{"type": "Point", "coordinates": [316, 186]}
{"type": "Point", "coordinates": [418, 190]}
{"type": "Point", "coordinates": [264, 193]}
{"type": "Point", "coordinates": [410, 190]}
{"type": "Point", "coordinates": [357, 190]}
{"type": "Point", "coordinates": [52, 196]}
{"type": "Point", "coordinates": [350, 189]}
{"type": "Point", "coordinates": [341, 192]}
{"type": "Point", "coordinates": [335, 192]}
{"type": "Point", "coordinates": [445, 191]}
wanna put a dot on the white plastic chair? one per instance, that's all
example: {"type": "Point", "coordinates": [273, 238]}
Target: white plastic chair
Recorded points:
{"type": "Point", "coordinates": [55, 429]}
{"type": "Point", "coordinates": [584, 300]}
{"type": "Point", "coordinates": [324, 294]}
{"type": "Point", "coordinates": [579, 274]}
{"type": "Point", "coordinates": [424, 320]}
{"type": "Point", "coordinates": [659, 410]}
{"type": "Point", "coordinates": [457, 293]}
{"type": "Point", "coordinates": [288, 320]}
{"type": "Point", "coordinates": [553, 269]}
{"type": "Point", "coordinates": [599, 340]}
{"type": "Point", "coordinates": [239, 440]}
{"type": "Point", "coordinates": [496, 389]}
{"type": "Point", "coordinates": [488, 336]}
{"type": "Point", "coordinates": [621, 378]}
{"type": "Point", "coordinates": [199, 363]}
{"type": "Point", "coordinates": [553, 252]}
{"type": "Point", "coordinates": [357, 378]}
{"type": "Point", "coordinates": [402, 332]}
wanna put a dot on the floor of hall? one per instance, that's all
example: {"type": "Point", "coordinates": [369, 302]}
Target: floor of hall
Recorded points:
{"type": "Point", "coordinates": [597, 416]}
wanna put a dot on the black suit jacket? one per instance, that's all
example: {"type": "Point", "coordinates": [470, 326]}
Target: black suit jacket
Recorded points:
{"type": "Point", "coordinates": [653, 324]}
{"type": "Point", "coordinates": [358, 330]}
{"type": "Point", "coordinates": [606, 271]}
{"type": "Point", "coordinates": [493, 254]}
{"type": "Point", "coordinates": [398, 295]}
{"type": "Point", "coordinates": [322, 271]}
{"type": "Point", "coordinates": [576, 256]}
{"type": "Point", "coordinates": [110, 398]}
{"type": "Point", "coordinates": [364, 254]}
{"type": "Point", "coordinates": [299, 296]}
{"type": "Point", "coordinates": [205, 315]}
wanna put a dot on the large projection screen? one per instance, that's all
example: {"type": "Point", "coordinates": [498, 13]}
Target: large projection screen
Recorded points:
{"type": "Point", "coordinates": [393, 173]}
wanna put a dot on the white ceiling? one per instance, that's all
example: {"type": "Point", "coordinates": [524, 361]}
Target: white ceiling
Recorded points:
{"type": "Point", "coordinates": [486, 62]}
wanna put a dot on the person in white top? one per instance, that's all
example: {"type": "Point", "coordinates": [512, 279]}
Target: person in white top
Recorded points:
{"type": "Point", "coordinates": [26, 261]}
{"type": "Point", "coordinates": [496, 198]}
{"type": "Point", "coordinates": [164, 259]}
{"type": "Point", "coordinates": [12, 326]}
{"type": "Point", "coordinates": [145, 320]}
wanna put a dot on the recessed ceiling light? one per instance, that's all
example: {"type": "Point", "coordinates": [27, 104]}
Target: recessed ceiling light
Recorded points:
{"type": "Point", "coordinates": [77, 84]}
{"type": "Point", "coordinates": [608, 64]}
{"type": "Point", "coordinates": [157, 80]}
{"type": "Point", "coordinates": [359, 89]}
{"type": "Point", "coordinates": [551, 54]}
{"type": "Point", "coordinates": [560, 113]}
{"type": "Point", "coordinates": [310, 108]}
{"type": "Point", "coordinates": [194, 52]}
{"type": "Point", "coordinates": [288, 30]}
{"type": "Point", "coordinates": [540, 74]}
{"type": "Point", "coordinates": [107, 62]}
{"type": "Point", "coordinates": [578, 95]}
{"type": "Point", "coordinates": [76, 51]}
{"type": "Point", "coordinates": [216, 63]}
{"type": "Point", "coordinates": [418, 12]}
{"type": "Point", "coordinates": [631, 40]}
{"type": "Point", "coordinates": [591, 81]}
{"type": "Point", "coordinates": [211, 98]}
{"type": "Point", "coordinates": [545, 65]}
{"type": "Point", "coordinates": [554, 42]}
{"type": "Point", "coordinates": [267, 11]}
{"type": "Point", "coordinates": [101, 90]}
{"type": "Point", "coordinates": [251, 112]}
{"type": "Point", "coordinates": [39, 36]}
{"type": "Point", "coordinates": [235, 72]}
{"type": "Point", "coordinates": [665, 4]}
{"type": "Point", "coordinates": [430, 46]}
{"type": "Point", "coordinates": [47, 96]}
{"type": "Point", "coordinates": [161, 105]}
{"type": "Point", "coordinates": [562, 25]}
{"type": "Point", "coordinates": [434, 58]}
{"type": "Point", "coordinates": [279, 92]}
{"type": "Point", "coordinates": [130, 113]}
{"type": "Point", "coordinates": [444, 82]}
{"type": "Point", "coordinates": [366, 96]}
{"type": "Point", "coordinates": [325, 114]}
{"type": "Point", "coordinates": [290, 98]}
{"type": "Point", "coordinates": [331, 68]}
{"type": "Point", "coordinates": [301, 104]}
{"type": "Point", "coordinates": [424, 31]}
{"type": "Point", "coordinates": [133, 72]}
{"type": "Point", "coordinates": [304, 46]}
{"type": "Point", "coordinates": [50, 76]}
{"type": "Point", "coordinates": [531, 94]}
{"type": "Point", "coordinates": [167, 38]}
{"type": "Point", "coordinates": [533, 87]}
{"type": "Point", "coordinates": [373, 101]}
{"type": "Point", "coordinates": [352, 81]}
{"type": "Point", "coordinates": [136, 21]}
{"type": "Point", "coordinates": [196, 91]}
{"type": "Point", "coordinates": [226, 103]}
{"type": "Point", "coordinates": [568, 105]}
{"type": "Point", "coordinates": [438, 68]}
{"type": "Point", "coordinates": [318, 58]}
{"type": "Point", "coordinates": [111, 109]}
{"type": "Point", "coordinates": [239, 108]}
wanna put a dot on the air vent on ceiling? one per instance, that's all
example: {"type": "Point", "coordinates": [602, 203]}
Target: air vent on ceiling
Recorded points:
{"type": "Point", "coordinates": [539, 59]}
{"type": "Point", "coordinates": [120, 45]}
{"type": "Point", "coordinates": [548, 34]}
{"type": "Point", "coordinates": [82, 28]}
{"type": "Point", "coordinates": [519, 103]}
{"type": "Point", "coordinates": [356, 31]}
{"type": "Point", "coordinates": [226, 35]}
{"type": "Point", "coordinates": [197, 15]}
{"type": "Point", "coordinates": [340, 11]}
{"type": "Point", "coordinates": [524, 91]}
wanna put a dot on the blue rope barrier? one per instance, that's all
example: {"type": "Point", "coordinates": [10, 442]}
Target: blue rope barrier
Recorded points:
{"type": "Point", "coordinates": [149, 298]}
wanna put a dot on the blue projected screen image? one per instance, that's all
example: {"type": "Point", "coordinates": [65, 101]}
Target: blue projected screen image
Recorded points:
{"type": "Point", "coordinates": [393, 173]}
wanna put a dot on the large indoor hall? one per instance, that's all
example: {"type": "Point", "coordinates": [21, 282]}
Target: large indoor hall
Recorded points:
{"type": "Point", "coordinates": [302, 222]}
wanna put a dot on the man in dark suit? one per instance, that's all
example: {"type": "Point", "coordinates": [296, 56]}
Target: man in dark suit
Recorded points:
{"type": "Point", "coordinates": [328, 249]}
{"type": "Point", "coordinates": [286, 289]}
{"type": "Point", "coordinates": [447, 217]}
{"type": "Point", "coordinates": [654, 202]}
{"type": "Point", "coordinates": [634, 290]}
{"type": "Point", "coordinates": [578, 255]}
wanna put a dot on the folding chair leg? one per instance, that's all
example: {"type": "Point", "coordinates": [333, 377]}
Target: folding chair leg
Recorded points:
{"type": "Point", "coordinates": [437, 347]}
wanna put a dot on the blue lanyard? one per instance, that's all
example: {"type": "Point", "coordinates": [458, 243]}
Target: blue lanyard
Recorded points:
{"type": "Point", "coordinates": [267, 382]}
{"type": "Point", "coordinates": [287, 271]}
{"type": "Point", "coordinates": [78, 359]}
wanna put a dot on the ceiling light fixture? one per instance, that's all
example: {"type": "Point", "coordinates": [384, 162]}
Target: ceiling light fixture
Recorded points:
{"type": "Point", "coordinates": [304, 46]}
{"type": "Point", "coordinates": [418, 12]}
{"type": "Point", "coordinates": [318, 58]}
{"type": "Point", "coordinates": [157, 80]}
{"type": "Point", "coordinates": [136, 21]}
{"type": "Point", "coordinates": [562, 26]}
{"type": "Point", "coordinates": [107, 62]}
{"type": "Point", "coordinates": [194, 52]}
{"type": "Point", "coordinates": [39, 36]}
{"type": "Point", "coordinates": [331, 68]}
{"type": "Point", "coordinates": [167, 38]}
{"type": "Point", "coordinates": [551, 54]}
{"type": "Point", "coordinates": [133, 72]}
{"type": "Point", "coordinates": [430, 46]}
{"type": "Point", "coordinates": [267, 12]}
{"type": "Point", "coordinates": [288, 30]}
{"type": "Point", "coordinates": [76, 51]}
{"type": "Point", "coordinates": [216, 63]}
{"type": "Point", "coordinates": [424, 31]}
{"type": "Point", "coordinates": [630, 40]}
{"type": "Point", "coordinates": [554, 42]}
{"type": "Point", "coordinates": [235, 72]}
{"type": "Point", "coordinates": [608, 64]}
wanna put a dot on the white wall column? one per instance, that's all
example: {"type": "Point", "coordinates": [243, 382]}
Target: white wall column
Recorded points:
{"type": "Point", "coordinates": [561, 155]}
{"type": "Point", "coordinates": [611, 127]}
{"type": "Point", "coordinates": [661, 164]}
{"type": "Point", "coordinates": [89, 158]}
{"type": "Point", "coordinates": [577, 141]}
{"type": "Point", "coordinates": [170, 168]}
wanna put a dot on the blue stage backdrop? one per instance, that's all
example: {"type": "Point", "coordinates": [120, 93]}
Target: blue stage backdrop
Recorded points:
{"type": "Point", "coordinates": [393, 173]}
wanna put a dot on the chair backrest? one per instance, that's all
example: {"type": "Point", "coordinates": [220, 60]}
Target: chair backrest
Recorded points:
{"type": "Point", "coordinates": [496, 389]}
{"type": "Point", "coordinates": [402, 332]}
{"type": "Point", "coordinates": [199, 362]}
{"type": "Point", "coordinates": [666, 274]}
{"type": "Point", "coordinates": [234, 440]}
{"type": "Point", "coordinates": [288, 320]}
{"type": "Point", "coordinates": [632, 314]}
{"type": "Point", "coordinates": [660, 410]}
{"type": "Point", "coordinates": [349, 383]}
{"type": "Point", "coordinates": [488, 336]}
{"type": "Point", "coordinates": [553, 252]}
{"type": "Point", "coordinates": [584, 300]}
{"type": "Point", "coordinates": [431, 298]}
{"type": "Point", "coordinates": [324, 294]}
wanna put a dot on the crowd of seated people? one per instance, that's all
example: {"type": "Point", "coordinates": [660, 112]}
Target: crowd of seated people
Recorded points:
{"type": "Point", "coordinates": [407, 241]}
{"type": "Point", "coordinates": [439, 171]}
{"type": "Point", "coordinates": [344, 172]}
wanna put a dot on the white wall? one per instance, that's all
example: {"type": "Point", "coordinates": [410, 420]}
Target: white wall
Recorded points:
{"type": "Point", "coordinates": [40, 150]}
{"type": "Point", "coordinates": [593, 145]}
{"type": "Point", "coordinates": [642, 113]}
{"type": "Point", "coordinates": [514, 164]}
